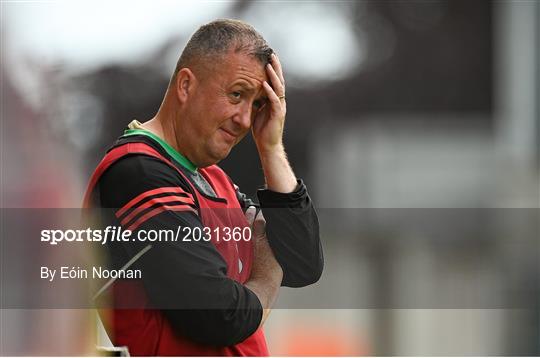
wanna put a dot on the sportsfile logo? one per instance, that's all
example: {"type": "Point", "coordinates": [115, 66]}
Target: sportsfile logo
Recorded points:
{"type": "Point", "coordinates": [117, 234]}
{"type": "Point", "coordinates": [109, 234]}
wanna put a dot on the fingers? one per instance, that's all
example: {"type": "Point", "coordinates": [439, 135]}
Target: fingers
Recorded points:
{"type": "Point", "coordinates": [276, 82]}
{"type": "Point", "coordinates": [256, 222]}
{"type": "Point", "coordinates": [276, 91]}
{"type": "Point", "coordinates": [272, 96]}
{"type": "Point", "coordinates": [277, 67]}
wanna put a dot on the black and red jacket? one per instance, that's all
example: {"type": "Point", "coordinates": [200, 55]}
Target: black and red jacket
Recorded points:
{"type": "Point", "coordinates": [191, 298]}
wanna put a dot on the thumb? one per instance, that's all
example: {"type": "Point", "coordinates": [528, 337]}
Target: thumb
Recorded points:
{"type": "Point", "coordinates": [259, 225]}
{"type": "Point", "coordinates": [250, 215]}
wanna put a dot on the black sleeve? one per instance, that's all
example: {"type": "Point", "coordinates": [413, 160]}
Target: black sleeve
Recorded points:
{"type": "Point", "coordinates": [186, 279]}
{"type": "Point", "coordinates": [292, 228]}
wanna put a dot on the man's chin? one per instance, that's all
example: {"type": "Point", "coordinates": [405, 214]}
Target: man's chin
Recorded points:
{"type": "Point", "coordinates": [224, 154]}
{"type": "Point", "coordinates": [216, 157]}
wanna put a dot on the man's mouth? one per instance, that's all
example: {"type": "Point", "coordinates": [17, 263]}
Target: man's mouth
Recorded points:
{"type": "Point", "coordinates": [229, 134]}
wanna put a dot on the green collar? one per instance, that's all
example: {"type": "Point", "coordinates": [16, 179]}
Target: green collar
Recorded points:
{"type": "Point", "coordinates": [185, 162]}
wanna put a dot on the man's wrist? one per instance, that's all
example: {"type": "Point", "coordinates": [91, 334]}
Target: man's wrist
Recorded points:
{"type": "Point", "coordinates": [268, 152]}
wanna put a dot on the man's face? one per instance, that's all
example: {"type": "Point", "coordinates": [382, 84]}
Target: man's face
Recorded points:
{"type": "Point", "coordinates": [221, 108]}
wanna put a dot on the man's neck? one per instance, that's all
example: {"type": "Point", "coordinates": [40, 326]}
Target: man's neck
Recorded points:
{"type": "Point", "coordinates": [163, 124]}
{"type": "Point", "coordinates": [163, 129]}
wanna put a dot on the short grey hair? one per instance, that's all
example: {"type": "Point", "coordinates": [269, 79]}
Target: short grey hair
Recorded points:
{"type": "Point", "coordinates": [216, 38]}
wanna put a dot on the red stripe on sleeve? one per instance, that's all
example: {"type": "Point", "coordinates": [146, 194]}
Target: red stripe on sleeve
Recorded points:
{"type": "Point", "coordinates": [154, 201]}
{"type": "Point", "coordinates": [158, 210]}
{"type": "Point", "coordinates": [140, 197]}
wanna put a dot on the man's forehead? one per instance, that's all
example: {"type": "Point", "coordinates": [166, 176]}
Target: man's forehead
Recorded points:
{"type": "Point", "coordinates": [244, 66]}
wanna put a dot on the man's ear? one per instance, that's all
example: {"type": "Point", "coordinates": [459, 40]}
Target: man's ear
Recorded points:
{"type": "Point", "coordinates": [185, 84]}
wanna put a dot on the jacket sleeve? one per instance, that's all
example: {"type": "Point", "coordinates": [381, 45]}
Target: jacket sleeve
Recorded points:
{"type": "Point", "coordinates": [186, 279]}
{"type": "Point", "coordinates": [292, 228]}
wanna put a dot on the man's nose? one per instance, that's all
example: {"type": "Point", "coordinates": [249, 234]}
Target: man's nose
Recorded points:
{"type": "Point", "coordinates": [243, 117]}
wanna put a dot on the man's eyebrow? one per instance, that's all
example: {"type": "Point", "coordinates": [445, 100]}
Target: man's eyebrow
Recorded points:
{"type": "Point", "coordinates": [245, 85]}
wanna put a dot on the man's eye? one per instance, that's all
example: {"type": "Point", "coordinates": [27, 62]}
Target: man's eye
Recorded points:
{"type": "Point", "coordinates": [236, 95]}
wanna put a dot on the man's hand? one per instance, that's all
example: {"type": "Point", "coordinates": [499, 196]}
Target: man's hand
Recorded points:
{"type": "Point", "coordinates": [268, 124]}
{"type": "Point", "coordinates": [268, 132]}
{"type": "Point", "coordinates": [257, 223]}
{"type": "Point", "coordinates": [266, 273]}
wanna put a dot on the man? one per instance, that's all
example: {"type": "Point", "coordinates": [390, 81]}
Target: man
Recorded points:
{"type": "Point", "coordinates": [196, 296]}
